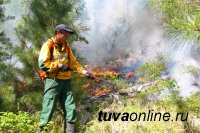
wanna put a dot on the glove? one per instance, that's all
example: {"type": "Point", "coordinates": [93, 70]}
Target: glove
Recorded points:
{"type": "Point", "coordinates": [89, 75]}
{"type": "Point", "coordinates": [64, 67]}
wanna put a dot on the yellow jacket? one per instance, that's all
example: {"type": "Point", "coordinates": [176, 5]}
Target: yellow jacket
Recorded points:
{"type": "Point", "coordinates": [60, 55]}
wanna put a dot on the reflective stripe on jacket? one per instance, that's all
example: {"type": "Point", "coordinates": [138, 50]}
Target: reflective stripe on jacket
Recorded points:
{"type": "Point", "coordinates": [60, 55]}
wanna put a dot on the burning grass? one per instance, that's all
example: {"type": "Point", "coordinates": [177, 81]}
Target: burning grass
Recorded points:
{"type": "Point", "coordinates": [97, 88]}
{"type": "Point", "coordinates": [148, 77]}
{"type": "Point", "coordinates": [100, 85]}
{"type": "Point", "coordinates": [105, 73]}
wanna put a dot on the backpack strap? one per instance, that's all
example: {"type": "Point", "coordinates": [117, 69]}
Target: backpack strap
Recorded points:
{"type": "Point", "coordinates": [51, 49]}
{"type": "Point", "coordinates": [43, 73]}
{"type": "Point", "coordinates": [68, 50]}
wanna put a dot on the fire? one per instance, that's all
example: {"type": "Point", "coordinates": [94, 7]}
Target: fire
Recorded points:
{"type": "Point", "coordinates": [94, 91]}
{"type": "Point", "coordinates": [87, 85]}
{"type": "Point", "coordinates": [105, 73]}
{"type": "Point", "coordinates": [99, 92]}
{"type": "Point", "coordinates": [98, 72]}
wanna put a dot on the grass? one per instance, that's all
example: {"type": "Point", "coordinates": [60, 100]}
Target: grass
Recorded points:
{"type": "Point", "coordinates": [172, 103]}
{"type": "Point", "coordinates": [88, 110]}
{"type": "Point", "coordinates": [137, 105]}
{"type": "Point", "coordinates": [133, 105]}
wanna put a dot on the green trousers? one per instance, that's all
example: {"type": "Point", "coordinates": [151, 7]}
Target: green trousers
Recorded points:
{"type": "Point", "coordinates": [57, 90]}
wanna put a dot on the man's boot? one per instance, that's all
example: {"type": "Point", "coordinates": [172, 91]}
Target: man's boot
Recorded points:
{"type": "Point", "coordinates": [69, 127]}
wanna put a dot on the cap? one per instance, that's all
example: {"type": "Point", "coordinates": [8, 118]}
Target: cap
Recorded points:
{"type": "Point", "coordinates": [64, 27]}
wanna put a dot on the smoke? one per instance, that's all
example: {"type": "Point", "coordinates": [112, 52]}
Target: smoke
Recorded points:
{"type": "Point", "coordinates": [120, 28]}
{"type": "Point", "coordinates": [184, 61]}
{"type": "Point", "coordinates": [126, 28]}
{"type": "Point", "coordinates": [14, 9]}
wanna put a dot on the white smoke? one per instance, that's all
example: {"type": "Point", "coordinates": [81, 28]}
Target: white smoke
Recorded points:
{"type": "Point", "coordinates": [127, 28]}
{"type": "Point", "coordinates": [120, 28]}
{"type": "Point", "coordinates": [14, 9]}
{"type": "Point", "coordinates": [124, 28]}
{"type": "Point", "coordinates": [182, 58]}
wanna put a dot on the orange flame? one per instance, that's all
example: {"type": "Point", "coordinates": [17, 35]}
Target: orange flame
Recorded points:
{"type": "Point", "coordinates": [105, 73]}
{"type": "Point", "coordinates": [93, 90]}
{"type": "Point", "coordinates": [99, 92]}
{"type": "Point", "coordinates": [87, 85]}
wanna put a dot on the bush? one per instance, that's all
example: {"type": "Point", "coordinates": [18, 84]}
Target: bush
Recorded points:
{"type": "Point", "coordinates": [151, 70]}
{"type": "Point", "coordinates": [7, 98]}
{"type": "Point", "coordinates": [21, 122]}
{"type": "Point", "coordinates": [31, 101]}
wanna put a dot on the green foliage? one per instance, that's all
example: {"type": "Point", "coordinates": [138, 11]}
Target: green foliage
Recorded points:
{"type": "Point", "coordinates": [193, 103]}
{"type": "Point", "coordinates": [7, 98]}
{"type": "Point", "coordinates": [30, 70]}
{"type": "Point", "coordinates": [172, 104]}
{"type": "Point", "coordinates": [156, 87]}
{"type": "Point", "coordinates": [80, 93]}
{"type": "Point", "coordinates": [7, 77]}
{"type": "Point", "coordinates": [21, 122]}
{"type": "Point", "coordinates": [2, 15]}
{"type": "Point", "coordinates": [184, 104]}
{"type": "Point", "coordinates": [193, 70]}
{"type": "Point", "coordinates": [113, 77]}
{"type": "Point", "coordinates": [151, 70]}
{"type": "Point", "coordinates": [137, 106]}
{"type": "Point", "coordinates": [39, 23]}
{"type": "Point", "coordinates": [30, 101]}
{"type": "Point", "coordinates": [35, 27]}
{"type": "Point", "coordinates": [179, 17]}
{"type": "Point", "coordinates": [6, 72]}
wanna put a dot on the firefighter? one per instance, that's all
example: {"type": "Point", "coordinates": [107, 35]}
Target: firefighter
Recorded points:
{"type": "Point", "coordinates": [57, 60]}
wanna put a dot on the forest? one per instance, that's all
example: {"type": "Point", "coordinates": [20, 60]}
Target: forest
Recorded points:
{"type": "Point", "coordinates": [144, 54]}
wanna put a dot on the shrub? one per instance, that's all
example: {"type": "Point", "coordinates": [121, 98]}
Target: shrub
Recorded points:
{"type": "Point", "coordinates": [151, 70]}
{"type": "Point", "coordinates": [7, 98]}
{"type": "Point", "coordinates": [21, 122]}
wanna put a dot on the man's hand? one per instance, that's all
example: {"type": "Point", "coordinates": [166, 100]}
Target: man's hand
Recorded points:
{"type": "Point", "coordinates": [89, 75]}
{"type": "Point", "coordinates": [62, 67]}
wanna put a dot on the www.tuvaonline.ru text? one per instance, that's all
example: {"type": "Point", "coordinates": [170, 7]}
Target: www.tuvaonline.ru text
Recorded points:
{"type": "Point", "coordinates": [151, 115]}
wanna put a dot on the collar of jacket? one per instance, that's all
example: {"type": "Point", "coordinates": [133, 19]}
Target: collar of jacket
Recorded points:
{"type": "Point", "coordinates": [57, 46]}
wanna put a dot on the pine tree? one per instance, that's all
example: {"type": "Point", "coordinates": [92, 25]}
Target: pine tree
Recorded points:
{"type": "Point", "coordinates": [7, 78]}
{"type": "Point", "coordinates": [5, 49]}
{"type": "Point", "coordinates": [35, 27]}
{"type": "Point", "coordinates": [180, 18]}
